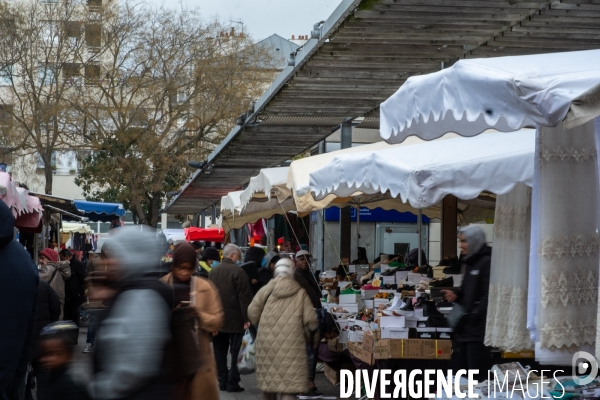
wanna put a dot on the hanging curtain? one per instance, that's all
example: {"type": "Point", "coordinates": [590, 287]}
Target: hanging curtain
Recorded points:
{"type": "Point", "coordinates": [565, 239]}
{"type": "Point", "coordinates": [506, 326]}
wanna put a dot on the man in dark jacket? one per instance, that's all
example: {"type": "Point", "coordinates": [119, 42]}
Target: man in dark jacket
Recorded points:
{"type": "Point", "coordinates": [470, 352]}
{"type": "Point", "coordinates": [18, 290]}
{"type": "Point", "coordinates": [252, 262]}
{"type": "Point", "coordinates": [265, 274]}
{"type": "Point", "coordinates": [234, 287]}
{"type": "Point", "coordinates": [74, 286]}
{"type": "Point", "coordinates": [306, 278]}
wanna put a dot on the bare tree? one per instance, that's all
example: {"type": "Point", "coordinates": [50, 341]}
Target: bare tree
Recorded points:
{"type": "Point", "coordinates": [169, 88]}
{"type": "Point", "coordinates": [44, 49]}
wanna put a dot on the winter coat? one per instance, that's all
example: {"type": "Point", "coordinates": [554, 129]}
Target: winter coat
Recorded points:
{"type": "Point", "coordinates": [234, 289]}
{"type": "Point", "coordinates": [264, 276]}
{"type": "Point", "coordinates": [75, 285]}
{"type": "Point", "coordinates": [58, 282]}
{"type": "Point", "coordinates": [307, 280]}
{"type": "Point", "coordinates": [251, 270]}
{"type": "Point", "coordinates": [47, 311]}
{"type": "Point", "coordinates": [61, 386]}
{"type": "Point", "coordinates": [205, 299]}
{"type": "Point", "coordinates": [473, 296]}
{"type": "Point", "coordinates": [18, 289]}
{"type": "Point", "coordinates": [129, 356]}
{"type": "Point", "coordinates": [286, 322]}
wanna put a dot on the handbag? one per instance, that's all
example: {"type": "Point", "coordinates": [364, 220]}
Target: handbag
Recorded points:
{"type": "Point", "coordinates": [456, 317]}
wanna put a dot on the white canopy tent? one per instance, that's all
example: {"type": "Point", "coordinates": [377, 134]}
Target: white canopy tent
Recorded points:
{"type": "Point", "coordinates": [235, 215]}
{"type": "Point", "coordinates": [559, 94]}
{"type": "Point", "coordinates": [270, 182]}
{"type": "Point", "coordinates": [504, 93]}
{"type": "Point", "coordinates": [75, 227]}
{"type": "Point", "coordinates": [422, 174]}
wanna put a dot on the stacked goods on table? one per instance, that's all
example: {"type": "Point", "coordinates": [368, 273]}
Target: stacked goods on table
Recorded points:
{"type": "Point", "coordinates": [398, 312]}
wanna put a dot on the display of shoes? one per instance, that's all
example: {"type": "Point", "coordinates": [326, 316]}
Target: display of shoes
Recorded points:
{"type": "Point", "coordinates": [429, 309]}
{"type": "Point", "coordinates": [421, 300]}
{"type": "Point", "coordinates": [442, 282]}
{"type": "Point", "coordinates": [389, 272]}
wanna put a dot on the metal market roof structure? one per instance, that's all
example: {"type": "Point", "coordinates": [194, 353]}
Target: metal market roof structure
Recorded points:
{"type": "Point", "coordinates": [360, 56]}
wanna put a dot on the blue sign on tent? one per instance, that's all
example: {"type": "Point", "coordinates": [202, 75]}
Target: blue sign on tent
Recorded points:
{"type": "Point", "coordinates": [375, 215]}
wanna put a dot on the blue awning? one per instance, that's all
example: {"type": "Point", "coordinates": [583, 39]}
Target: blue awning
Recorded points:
{"type": "Point", "coordinates": [100, 212]}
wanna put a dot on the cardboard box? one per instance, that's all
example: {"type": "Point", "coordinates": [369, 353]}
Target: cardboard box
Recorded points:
{"type": "Point", "coordinates": [366, 356]}
{"type": "Point", "coordinates": [351, 308]}
{"type": "Point", "coordinates": [394, 333]}
{"type": "Point", "coordinates": [332, 375]}
{"type": "Point", "coordinates": [426, 333]}
{"type": "Point", "coordinates": [362, 270]}
{"type": "Point", "coordinates": [369, 294]}
{"type": "Point", "coordinates": [427, 349]}
{"type": "Point", "coordinates": [421, 322]}
{"type": "Point", "coordinates": [445, 334]}
{"type": "Point", "coordinates": [368, 342]}
{"type": "Point", "coordinates": [402, 276]}
{"type": "Point", "coordinates": [396, 322]}
{"type": "Point", "coordinates": [379, 302]}
{"type": "Point", "coordinates": [518, 354]}
{"type": "Point", "coordinates": [438, 272]}
{"type": "Point", "coordinates": [411, 322]}
{"type": "Point", "coordinates": [388, 348]}
{"type": "Point", "coordinates": [389, 280]}
{"type": "Point", "coordinates": [343, 338]}
{"type": "Point", "coordinates": [377, 334]}
{"type": "Point", "coordinates": [335, 345]}
{"type": "Point", "coordinates": [369, 304]}
{"type": "Point", "coordinates": [342, 322]}
{"type": "Point", "coordinates": [349, 298]}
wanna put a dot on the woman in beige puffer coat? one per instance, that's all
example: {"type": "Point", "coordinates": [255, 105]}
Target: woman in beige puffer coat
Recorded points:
{"type": "Point", "coordinates": [286, 322]}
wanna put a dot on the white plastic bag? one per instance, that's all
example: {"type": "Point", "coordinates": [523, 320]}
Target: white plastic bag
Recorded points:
{"type": "Point", "coordinates": [246, 361]}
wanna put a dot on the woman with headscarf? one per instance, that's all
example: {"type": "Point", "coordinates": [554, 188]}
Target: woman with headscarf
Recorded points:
{"type": "Point", "coordinates": [199, 293]}
{"type": "Point", "coordinates": [469, 351]}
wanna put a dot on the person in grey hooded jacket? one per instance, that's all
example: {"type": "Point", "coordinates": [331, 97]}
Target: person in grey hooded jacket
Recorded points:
{"type": "Point", "coordinates": [129, 355]}
{"type": "Point", "coordinates": [18, 290]}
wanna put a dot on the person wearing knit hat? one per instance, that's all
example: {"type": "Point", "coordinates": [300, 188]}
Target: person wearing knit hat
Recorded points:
{"type": "Point", "coordinates": [210, 259]}
{"type": "Point", "coordinates": [203, 296]}
{"type": "Point", "coordinates": [54, 272]}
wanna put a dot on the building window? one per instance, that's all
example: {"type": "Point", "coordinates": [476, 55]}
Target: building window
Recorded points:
{"type": "Point", "coordinates": [93, 35]}
{"type": "Point", "coordinates": [92, 73]}
{"type": "Point", "coordinates": [46, 76]}
{"type": "Point", "coordinates": [72, 73]}
{"type": "Point", "coordinates": [6, 75]}
{"type": "Point", "coordinates": [94, 5]}
{"type": "Point", "coordinates": [73, 29]}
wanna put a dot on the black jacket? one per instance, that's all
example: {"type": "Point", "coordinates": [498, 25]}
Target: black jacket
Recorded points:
{"type": "Point", "coordinates": [47, 311]}
{"type": "Point", "coordinates": [61, 386]}
{"type": "Point", "coordinates": [251, 270]}
{"type": "Point", "coordinates": [307, 280]}
{"type": "Point", "coordinates": [18, 288]}
{"type": "Point", "coordinates": [234, 288]}
{"type": "Point", "coordinates": [75, 285]}
{"type": "Point", "coordinates": [264, 276]}
{"type": "Point", "coordinates": [473, 296]}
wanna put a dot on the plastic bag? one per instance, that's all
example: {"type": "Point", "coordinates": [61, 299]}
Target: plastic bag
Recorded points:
{"type": "Point", "coordinates": [246, 361]}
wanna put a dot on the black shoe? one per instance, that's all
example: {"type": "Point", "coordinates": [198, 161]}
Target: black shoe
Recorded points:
{"type": "Point", "coordinates": [235, 389]}
{"type": "Point", "coordinates": [389, 272]}
{"type": "Point", "coordinates": [430, 310]}
{"type": "Point", "coordinates": [453, 270]}
{"type": "Point", "coordinates": [421, 300]}
{"type": "Point", "coordinates": [442, 282]}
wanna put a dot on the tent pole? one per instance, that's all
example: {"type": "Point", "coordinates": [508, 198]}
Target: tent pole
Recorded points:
{"type": "Point", "coordinates": [419, 227]}
{"type": "Point", "coordinates": [357, 229]}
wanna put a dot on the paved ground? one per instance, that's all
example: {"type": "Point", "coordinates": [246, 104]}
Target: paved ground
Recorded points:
{"type": "Point", "coordinates": [82, 370]}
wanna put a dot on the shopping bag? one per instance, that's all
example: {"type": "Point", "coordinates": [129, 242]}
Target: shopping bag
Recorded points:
{"type": "Point", "coordinates": [246, 361]}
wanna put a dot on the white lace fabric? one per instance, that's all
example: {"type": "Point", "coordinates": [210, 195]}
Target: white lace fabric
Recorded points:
{"type": "Point", "coordinates": [506, 325]}
{"type": "Point", "coordinates": [564, 233]}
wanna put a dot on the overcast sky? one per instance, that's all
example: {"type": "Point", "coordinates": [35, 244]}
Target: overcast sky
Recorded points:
{"type": "Point", "coordinates": [262, 18]}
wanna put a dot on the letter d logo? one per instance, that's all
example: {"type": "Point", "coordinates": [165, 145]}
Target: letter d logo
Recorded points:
{"type": "Point", "coordinates": [582, 366]}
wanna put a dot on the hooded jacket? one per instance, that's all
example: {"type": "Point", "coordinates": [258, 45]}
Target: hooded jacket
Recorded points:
{"type": "Point", "coordinates": [473, 295]}
{"type": "Point", "coordinates": [18, 290]}
{"type": "Point", "coordinates": [63, 272]}
{"type": "Point", "coordinates": [307, 280]}
{"type": "Point", "coordinates": [131, 339]}
{"type": "Point", "coordinates": [286, 323]}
